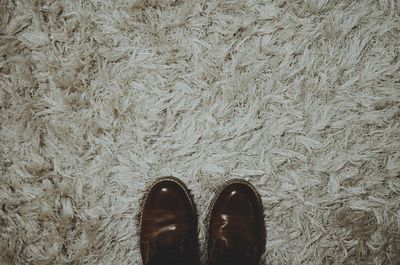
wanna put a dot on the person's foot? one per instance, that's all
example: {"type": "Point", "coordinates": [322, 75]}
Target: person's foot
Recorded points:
{"type": "Point", "coordinates": [168, 225]}
{"type": "Point", "coordinates": [236, 232]}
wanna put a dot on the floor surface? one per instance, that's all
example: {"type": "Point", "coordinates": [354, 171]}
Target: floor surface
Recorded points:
{"type": "Point", "coordinates": [99, 98]}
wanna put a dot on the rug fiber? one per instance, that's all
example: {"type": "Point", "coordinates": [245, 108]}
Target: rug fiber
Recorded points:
{"type": "Point", "coordinates": [99, 98]}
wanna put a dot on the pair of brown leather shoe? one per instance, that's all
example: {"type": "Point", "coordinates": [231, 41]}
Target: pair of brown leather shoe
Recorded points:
{"type": "Point", "coordinates": [168, 225]}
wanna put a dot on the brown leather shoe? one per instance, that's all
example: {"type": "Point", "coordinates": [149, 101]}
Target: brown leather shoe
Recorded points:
{"type": "Point", "coordinates": [236, 232]}
{"type": "Point", "coordinates": [168, 225]}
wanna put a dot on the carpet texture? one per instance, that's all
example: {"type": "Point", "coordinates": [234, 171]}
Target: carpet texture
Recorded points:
{"type": "Point", "coordinates": [99, 98]}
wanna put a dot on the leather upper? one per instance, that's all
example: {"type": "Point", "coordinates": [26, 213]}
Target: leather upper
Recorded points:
{"type": "Point", "coordinates": [168, 231]}
{"type": "Point", "coordinates": [236, 233]}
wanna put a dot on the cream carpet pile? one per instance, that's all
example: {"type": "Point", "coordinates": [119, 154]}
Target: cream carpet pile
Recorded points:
{"type": "Point", "coordinates": [99, 98]}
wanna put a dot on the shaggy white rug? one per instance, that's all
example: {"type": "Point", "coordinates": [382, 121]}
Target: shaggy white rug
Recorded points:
{"type": "Point", "coordinates": [99, 98]}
